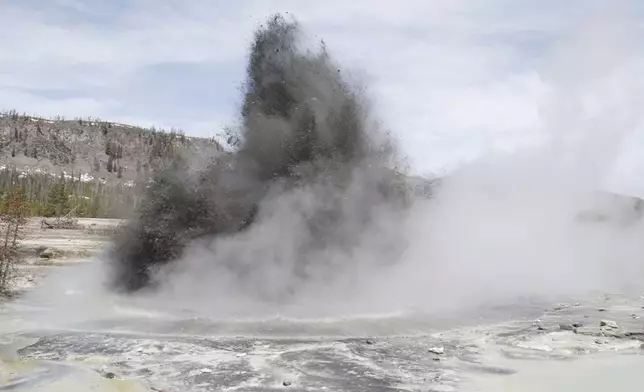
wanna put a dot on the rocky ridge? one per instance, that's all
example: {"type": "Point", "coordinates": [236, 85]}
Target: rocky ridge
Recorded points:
{"type": "Point", "coordinates": [92, 149]}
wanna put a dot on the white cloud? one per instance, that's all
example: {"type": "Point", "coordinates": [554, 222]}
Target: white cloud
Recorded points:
{"type": "Point", "coordinates": [451, 77]}
{"type": "Point", "coordinates": [26, 102]}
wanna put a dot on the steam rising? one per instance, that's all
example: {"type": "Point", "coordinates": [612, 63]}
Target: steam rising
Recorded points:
{"type": "Point", "coordinates": [293, 202]}
{"type": "Point", "coordinates": [308, 216]}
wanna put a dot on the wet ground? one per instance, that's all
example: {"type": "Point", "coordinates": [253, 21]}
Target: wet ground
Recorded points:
{"type": "Point", "coordinates": [523, 347]}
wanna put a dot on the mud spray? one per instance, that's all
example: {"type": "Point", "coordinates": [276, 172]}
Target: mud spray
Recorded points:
{"type": "Point", "coordinates": [311, 215]}
{"type": "Point", "coordinates": [290, 205]}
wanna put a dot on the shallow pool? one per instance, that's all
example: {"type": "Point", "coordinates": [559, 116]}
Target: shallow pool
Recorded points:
{"type": "Point", "coordinates": [601, 373]}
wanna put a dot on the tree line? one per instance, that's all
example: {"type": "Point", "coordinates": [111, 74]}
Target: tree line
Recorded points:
{"type": "Point", "coordinates": [48, 195]}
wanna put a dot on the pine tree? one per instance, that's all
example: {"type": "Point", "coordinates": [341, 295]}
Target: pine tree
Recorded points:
{"type": "Point", "coordinates": [110, 164]}
{"type": "Point", "coordinates": [57, 201]}
{"type": "Point", "coordinates": [95, 207]}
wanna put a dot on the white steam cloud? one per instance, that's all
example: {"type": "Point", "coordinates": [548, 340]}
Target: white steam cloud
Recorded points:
{"type": "Point", "coordinates": [537, 222]}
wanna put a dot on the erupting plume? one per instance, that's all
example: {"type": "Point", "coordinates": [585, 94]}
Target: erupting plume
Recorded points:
{"type": "Point", "coordinates": [306, 146]}
{"type": "Point", "coordinates": [309, 217]}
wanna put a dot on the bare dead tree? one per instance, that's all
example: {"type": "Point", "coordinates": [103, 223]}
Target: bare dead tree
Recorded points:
{"type": "Point", "coordinates": [12, 223]}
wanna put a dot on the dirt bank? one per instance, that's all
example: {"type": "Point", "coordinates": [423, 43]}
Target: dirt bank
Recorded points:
{"type": "Point", "coordinates": [90, 236]}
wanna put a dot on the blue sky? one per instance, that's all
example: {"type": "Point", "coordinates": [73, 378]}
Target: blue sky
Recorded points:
{"type": "Point", "coordinates": [451, 78]}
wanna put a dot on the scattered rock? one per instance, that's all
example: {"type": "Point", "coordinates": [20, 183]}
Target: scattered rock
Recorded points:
{"type": "Point", "coordinates": [47, 253]}
{"type": "Point", "coordinates": [597, 341]}
{"type": "Point", "coordinates": [608, 324]}
{"type": "Point", "coordinates": [568, 327]}
{"type": "Point", "coordinates": [601, 309]}
{"type": "Point", "coordinates": [437, 350]}
{"type": "Point", "coordinates": [286, 383]}
{"type": "Point", "coordinates": [109, 375]}
{"type": "Point", "coordinates": [369, 341]}
{"type": "Point", "coordinates": [438, 359]}
{"type": "Point", "coordinates": [634, 335]}
{"type": "Point", "coordinates": [634, 316]}
{"type": "Point", "coordinates": [577, 325]}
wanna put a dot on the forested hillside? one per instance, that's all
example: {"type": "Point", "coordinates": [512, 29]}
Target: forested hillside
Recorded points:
{"type": "Point", "coordinates": [93, 167]}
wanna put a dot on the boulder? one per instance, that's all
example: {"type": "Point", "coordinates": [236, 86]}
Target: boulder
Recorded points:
{"type": "Point", "coordinates": [48, 253]}
{"type": "Point", "coordinates": [608, 324]}
{"type": "Point", "coordinates": [437, 350]}
{"type": "Point", "coordinates": [568, 327]}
